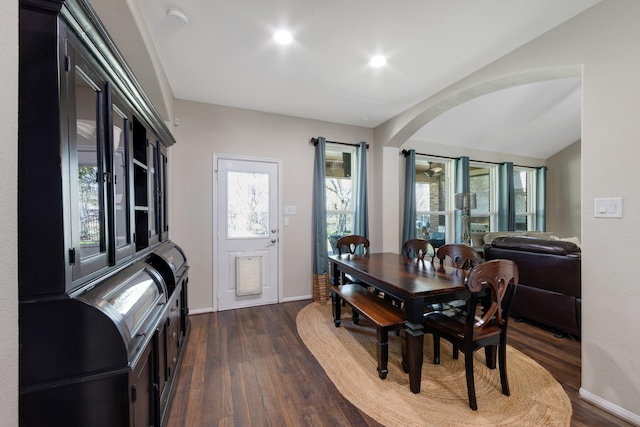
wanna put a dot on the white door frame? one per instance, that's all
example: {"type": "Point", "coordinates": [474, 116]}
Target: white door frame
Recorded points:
{"type": "Point", "coordinates": [214, 263]}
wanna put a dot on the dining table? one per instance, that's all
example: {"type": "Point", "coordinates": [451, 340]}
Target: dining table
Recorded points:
{"type": "Point", "coordinates": [412, 282]}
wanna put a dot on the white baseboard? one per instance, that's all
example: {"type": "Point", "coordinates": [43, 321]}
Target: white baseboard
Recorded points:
{"type": "Point", "coordinates": [298, 298]}
{"type": "Point", "coordinates": [200, 310]}
{"type": "Point", "coordinates": [194, 311]}
{"type": "Point", "coordinates": [610, 407]}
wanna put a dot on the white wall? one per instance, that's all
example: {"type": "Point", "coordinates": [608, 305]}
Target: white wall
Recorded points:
{"type": "Point", "coordinates": [8, 212]}
{"type": "Point", "coordinates": [206, 130]}
{"type": "Point", "coordinates": [564, 204]}
{"type": "Point", "coordinates": [602, 42]}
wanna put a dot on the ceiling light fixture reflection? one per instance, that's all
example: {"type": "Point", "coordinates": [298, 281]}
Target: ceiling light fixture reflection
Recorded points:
{"type": "Point", "coordinates": [378, 61]}
{"type": "Point", "coordinates": [283, 37]}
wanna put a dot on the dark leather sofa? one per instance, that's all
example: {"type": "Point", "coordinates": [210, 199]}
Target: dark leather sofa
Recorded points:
{"type": "Point", "coordinates": [549, 288]}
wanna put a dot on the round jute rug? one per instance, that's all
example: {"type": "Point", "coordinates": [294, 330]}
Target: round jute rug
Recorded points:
{"type": "Point", "coordinates": [348, 356]}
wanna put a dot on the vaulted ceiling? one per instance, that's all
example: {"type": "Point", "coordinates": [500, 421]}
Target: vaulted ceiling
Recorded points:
{"type": "Point", "coordinates": [225, 54]}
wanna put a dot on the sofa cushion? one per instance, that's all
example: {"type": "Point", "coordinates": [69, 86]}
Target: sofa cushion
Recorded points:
{"type": "Point", "coordinates": [532, 244]}
{"type": "Point", "coordinates": [488, 237]}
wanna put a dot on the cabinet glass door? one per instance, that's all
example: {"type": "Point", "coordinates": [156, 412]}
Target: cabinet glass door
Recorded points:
{"type": "Point", "coordinates": [87, 168]}
{"type": "Point", "coordinates": [120, 123]}
{"type": "Point", "coordinates": [154, 215]}
{"type": "Point", "coordinates": [162, 199]}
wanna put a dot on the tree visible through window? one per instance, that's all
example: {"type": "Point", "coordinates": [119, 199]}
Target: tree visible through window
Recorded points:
{"type": "Point", "coordinates": [88, 197]}
{"type": "Point", "coordinates": [339, 194]}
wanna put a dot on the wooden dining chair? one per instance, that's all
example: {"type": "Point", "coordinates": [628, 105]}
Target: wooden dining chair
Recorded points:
{"type": "Point", "coordinates": [462, 256]}
{"type": "Point", "coordinates": [481, 325]}
{"type": "Point", "coordinates": [356, 244]}
{"type": "Point", "coordinates": [352, 244]}
{"type": "Point", "coordinates": [419, 249]}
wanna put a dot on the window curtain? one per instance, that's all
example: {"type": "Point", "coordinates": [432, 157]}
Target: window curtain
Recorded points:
{"type": "Point", "coordinates": [319, 225]}
{"type": "Point", "coordinates": [361, 214]}
{"type": "Point", "coordinates": [409, 225]}
{"type": "Point", "coordinates": [506, 198]}
{"type": "Point", "coordinates": [541, 198]}
{"type": "Point", "coordinates": [461, 185]}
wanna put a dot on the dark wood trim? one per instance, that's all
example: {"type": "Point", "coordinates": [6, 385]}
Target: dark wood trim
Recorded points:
{"type": "Point", "coordinates": [84, 22]}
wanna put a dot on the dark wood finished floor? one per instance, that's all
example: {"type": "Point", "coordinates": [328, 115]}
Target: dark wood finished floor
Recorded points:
{"type": "Point", "coordinates": [248, 367]}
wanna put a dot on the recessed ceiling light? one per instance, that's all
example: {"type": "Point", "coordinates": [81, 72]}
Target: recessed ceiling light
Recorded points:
{"type": "Point", "coordinates": [283, 37]}
{"type": "Point", "coordinates": [378, 61]}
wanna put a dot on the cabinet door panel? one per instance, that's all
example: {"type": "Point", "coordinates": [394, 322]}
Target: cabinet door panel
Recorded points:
{"type": "Point", "coordinates": [87, 166]}
{"type": "Point", "coordinates": [120, 133]}
{"type": "Point", "coordinates": [154, 215]}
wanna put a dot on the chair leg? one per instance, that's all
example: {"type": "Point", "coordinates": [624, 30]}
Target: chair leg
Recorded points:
{"type": "Point", "coordinates": [356, 316]}
{"type": "Point", "coordinates": [455, 351]}
{"type": "Point", "coordinates": [490, 356]}
{"type": "Point", "coordinates": [382, 351]}
{"type": "Point", "coordinates": [502, 355]}
{"type": "Point", "coordinates": [436, 349]}
{"type": "Point", "coordinates": [471, 386]}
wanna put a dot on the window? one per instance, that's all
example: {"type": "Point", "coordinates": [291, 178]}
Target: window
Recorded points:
{"type": "Point", "coordinates": [339, 193]}
{"type": "Point", "coordinates": [482, 180]}
{"type": "Point", "coordinates": [431, 200]}
{"type": "Point", "coordinates": [523, 179]}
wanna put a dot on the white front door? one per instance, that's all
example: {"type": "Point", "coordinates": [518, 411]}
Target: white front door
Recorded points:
{"type": "Point", "coordinates": [247, 232]}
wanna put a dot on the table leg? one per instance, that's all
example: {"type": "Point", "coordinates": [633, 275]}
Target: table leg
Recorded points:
{"type": "Point", "coordinates": [415, 342]}
{"type": "Point", "coordinates": [335, 276]}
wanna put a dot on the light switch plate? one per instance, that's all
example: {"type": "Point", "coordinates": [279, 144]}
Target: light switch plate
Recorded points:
{"type": "Point", "coordinates": [608, 208]}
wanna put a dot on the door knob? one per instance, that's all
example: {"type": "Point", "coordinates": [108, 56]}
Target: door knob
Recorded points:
{"type": "Point", "coordinates": [274, 240]}
{"type": "Point", "coordinates": [273, 230]}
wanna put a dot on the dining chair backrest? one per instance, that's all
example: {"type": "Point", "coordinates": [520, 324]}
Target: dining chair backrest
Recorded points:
{"type": "Point", "coordinates": [418, 248]}
{"type": "Point", "coordinates": [350, 244]}
{"type": "Point", "coordinates": [501, 276]}
{"type": "Point", "coordinates": [462, 256]}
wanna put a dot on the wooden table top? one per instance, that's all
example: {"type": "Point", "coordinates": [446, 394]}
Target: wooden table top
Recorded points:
{"type": "Point", "coordinates": [407, 277]}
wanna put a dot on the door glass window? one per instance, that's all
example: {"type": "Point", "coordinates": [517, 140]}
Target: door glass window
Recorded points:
{"type": "Point", "coordinates": [90, 171]}
{"type": "Point", "coordinates": [247, 204]}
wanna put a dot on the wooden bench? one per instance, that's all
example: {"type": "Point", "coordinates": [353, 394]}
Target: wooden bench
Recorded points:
{"type": "Point", "coordinates": [381, 312]}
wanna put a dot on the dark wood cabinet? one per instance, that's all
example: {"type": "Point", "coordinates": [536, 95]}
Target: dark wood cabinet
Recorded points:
{"type": "Point", "coordinates": [141, 392]}
{"type": "Point", "coordinates": [102, 289]}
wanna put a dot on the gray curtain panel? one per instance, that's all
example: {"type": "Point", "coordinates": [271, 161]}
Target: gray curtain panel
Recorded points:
{"type": "Point", "coordinates": [506, 198]}
{"type": "Point", "coordinates": [319, 224]}
{"type": "Point", "coordinates": [541, 198]}
{"type": "Point", "coordinates": [361, 220]}
{"type": "Point", "coordinates": [409, 225]}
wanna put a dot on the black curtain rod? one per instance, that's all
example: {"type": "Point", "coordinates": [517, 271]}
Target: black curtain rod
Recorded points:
{"type": "Point", "coordinates": [314, 141]}
{"type": "Point", "coordinates": [406, 153]}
